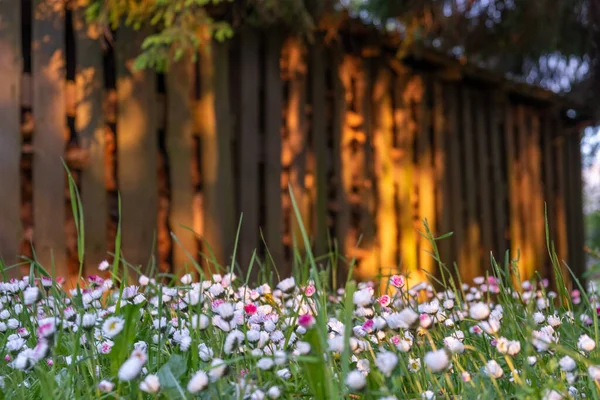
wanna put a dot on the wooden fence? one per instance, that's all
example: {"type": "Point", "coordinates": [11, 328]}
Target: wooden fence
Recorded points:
{"type": "Point", "coordinates": [369, 144]}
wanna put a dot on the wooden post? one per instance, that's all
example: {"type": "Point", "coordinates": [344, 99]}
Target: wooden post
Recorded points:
{"type": "Point", "coordinates": [180, 153]}
{"type": "Point", "coordinates": [273, 122]}
{"type": "Point", "coordinates": [561, 195]}
{"type": "Point", "coordinates": [10, 134]}
{"type": "Point", "coordinates": [472, 245]}
{"type": "Point", "coordinates": [425, 176]}
{"type": "Point", "coordinates": [383, 135]}
{"type": "Point", "coordinates": [48, 68]}
{"type": "Point", "coordinates": [137, 150]}
{"type": "Point", "coordinates": [249, 144]}
{"type": "Point", "coordinates": [536, 211]}
{"type": "Point", "coordinates": [319, 137]}
{"type": "Point", "coordinates": [89, 124]}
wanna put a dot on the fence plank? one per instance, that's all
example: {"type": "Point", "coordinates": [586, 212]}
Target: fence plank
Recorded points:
{"type": "Point", "coordinates": [49, 137]}
{"type": "Point", "coordinates": [386, 218]}
{"type": "Point", "coordinates": [248, 196]}
{"type": "Point", "coordinates": [319, 137]}
{"type": "Point", "coordinates": [89, 124]}
{"type": "Point", "coordinates": [547, 135]}
{"type": "Point", "coordinates": [441, 161]}
{"type": "Point", "coordinates": [425, 176]}
{"type": "Point", "coordinates": [575, 207]}
{"type": "Point", "coordinates": [499, 194]}
{"type": "Point", "coordinates": [483, 158]}
{"type": "Point", "coordinates": [562, 246]}
{"type": "Point", "coordinates": [137, 150]}
{"type": "Point", "coordinates": [341, 82]}
{"type": "Point", "coordinates": [273, 122]}
{"type": "Point", "coordinates": [408, 91]}
{"type": "Point", "coordinates": [457, 196]}
{"type": "Point", "coordinates": [472, 244]}
{"type": "Point", "coordinates": [180, 153]}
{"type": "Point", "coordinates": [536, 211]}
{"type": "Point", "coordinates": [10, 139]}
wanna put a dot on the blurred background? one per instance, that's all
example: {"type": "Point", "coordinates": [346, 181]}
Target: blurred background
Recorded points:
{"type": "Point", "coordinates": [177, 117]}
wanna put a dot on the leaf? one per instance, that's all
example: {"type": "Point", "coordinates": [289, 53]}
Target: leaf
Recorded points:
{"type": "Point", "coordinates": [170, 373]}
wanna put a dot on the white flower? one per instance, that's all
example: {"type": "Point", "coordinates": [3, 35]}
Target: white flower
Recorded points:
{"type": "Point", "coordinates": [514, 347]}
{"type": "Point", "coordinates": [133, 366]}
{"type": "Point", "coordinates": [586, 343]}
{"type": "Point", "coordinates": [356, 380]}
{"type": "Point", "coordinates": [106, 386]}
{"type": "Point", "coordinates": [414, 364]}
{"type": "Point", "coordinates": [187, 279]}
{"type": "Point", "coordinates": [103, 266]}
{"type": "Point", "coordinates": [386, 362]}
{"type": "Point", "coordinates": [265, 363]}
{"type": "Point", "coordinates": [363, 366]}
{"type": "Point", "coordinates": [437, 360]}
{"type": "Point", "coordinates": [205, 352]}
{"type": "Point", "coordinates": [112, 326]}
{"type": "Point", "coordinates": [144, 280]}
{"type": "Point", "coordinates": [552, 395]}
{"type": "Point", "coordinates": [284, 373]}
{"type": "Point", "coordinates": [199, 321]}
{"type": "Point", "coordinates": [531, 360]}
{"type": "Point", "coordinates": [233, 340]}
{"type": "Point", "coordinates": [404, 319]}
{"type": "Point", "coordinates": [491, 326]}
{"type": "Point", "coordinates": [198, 382]}
{"type": "Point", "coordinates": [273, 392]}
{"type": "Point", "coordinates": [363, 298]}
{"type": "Point", "coordinates": [218, 368]}
{"type": "Point", "coordinates": [554, 321]}
{"type": "Point", "coordinates": [31, 295]}
{"type": "Point", "coordinates": [13, 323]}
{"type": "Point", "coordinates": [151, 384]}
{"type": "Point", "coordinates": [225, 310]}
{"type": "Point", "coordinates": [594, 372]}
{"type": "Point", "coordinates": [454, 345]}
{"type": "Point", "coordinates": [567, 364]}
{"type": "Point", "coordinates": [493, 369]}
{"type": "Point", "coordinates": [428, 395]}
{"type": "Point", "coordinates": [479, 311]}
{"type": "Point", "coordinates": [287, 285]}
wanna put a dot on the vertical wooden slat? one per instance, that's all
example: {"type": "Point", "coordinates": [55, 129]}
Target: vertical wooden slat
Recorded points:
{"type": "Point", "coordinates": [89, 124]}
{"type": "Point", "coordinates": [137, 150]}
{"type": "Point", "coordinates": [562, 246]}
{"type": "Point", "coordinates": [273, 121]}
{"type": "Point", "coordinates": [319, 137]}
{"type": "Point", "coordinates": [547, 135]}
{"type": "Point", "coordinates": [499, 193]}
{"type": "Point", "coordinates": [441, 161]}
{"type": "Point", "coordinates": [408, 92]}
{"type": "Point", "coordinates": [48, 68]}
{"type": "Point", "coordinates": [294, 149]}
{"type": "Point", "coordinates": [425, 176]}
{"type": "Point", "coordinates": [10, 139]}
{"type": "Point", "coordinates": [248, 196]}
{"type": "Point", "coordinates": [340, 131]}
{"type": "Point", "coordinates": [456, 178]}
{"type": "Point", "coordinates": [575, 204]}
{"type": "Point", "coordinates": [536, 212]}
{"type": "Point", "coordinates": [483, 158]}
{"type": "Point", "coordinates": [383, 141]}
{"type": "Point", "coordinates": [347, 234]}
{"type": "Point", "coordinates": [472, 245]}
{"type": "Point", "coordinates": [180, 148]}
{"type": "Point", "coordinates": [524, 195]}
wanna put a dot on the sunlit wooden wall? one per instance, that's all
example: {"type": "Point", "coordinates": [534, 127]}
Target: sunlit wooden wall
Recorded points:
{"type": "Point", "coordinates": [370, 146]}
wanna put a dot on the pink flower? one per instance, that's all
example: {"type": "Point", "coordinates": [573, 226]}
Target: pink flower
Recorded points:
{"type": "Point", "coordinates": [310, 290]}
{"type": "Point", "coordinates": [60, 280]}
{"type": "Point", "coordinates": [368, 325]}
{"type": "Point", "coordinates": [396, 340]}
{"type": "Point", "coordinates": [217, 303]}
{"type": "Point", "coordinates": [494, 342]}
{"type": "Point", "coordinates": [306, 321]}
{"type": "Point", "coordinates": [7, 358]}
{"type": "Point", "coordinates": [250, 308]}
{"type": "Point", "coordinates": [384, 300]}
{"type": "Point", "coordinates": [49, 362]}
{"type": "Point", "coordinates": [46, 281]}
{"type": "Point", "coordinates": [397, 281]}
